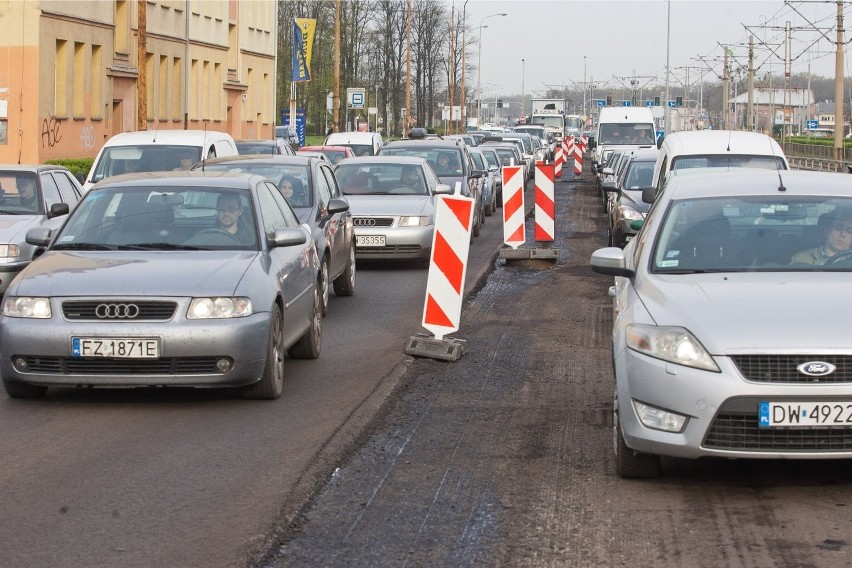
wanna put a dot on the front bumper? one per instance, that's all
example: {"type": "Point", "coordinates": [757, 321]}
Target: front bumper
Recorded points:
{"type": "Point", "coordinates": [722, 412]}
{"type": "Point", "coordinates": [401, 243]}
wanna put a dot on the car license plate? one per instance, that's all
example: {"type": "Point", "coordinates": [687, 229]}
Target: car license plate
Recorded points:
{"type": "Point", "coordinates": [115, 347]}
{"type": "Point", "coordinates": [369, 240]}
{"type": "Point", "coordinates": [804, 414]}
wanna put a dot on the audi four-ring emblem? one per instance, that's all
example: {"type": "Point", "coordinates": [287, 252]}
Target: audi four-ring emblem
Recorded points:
{"type": "Point", "coordinates": [117, 311]}
{"type": "Point", "coordinates": [362, 222]}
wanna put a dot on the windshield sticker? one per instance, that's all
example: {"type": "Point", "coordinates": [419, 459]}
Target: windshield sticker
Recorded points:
{"type": "Point", "coordinates": [672, 253]}
{"type": "Point", "coordinates": [66, 238]}
{"type": "Point", "coordinates": [668, 263]}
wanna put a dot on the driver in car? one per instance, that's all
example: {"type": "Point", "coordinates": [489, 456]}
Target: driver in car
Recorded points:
{"type": "Point", "coordinates": [229, 212]}
{"type": "Point", "coordinates": [837, 233]}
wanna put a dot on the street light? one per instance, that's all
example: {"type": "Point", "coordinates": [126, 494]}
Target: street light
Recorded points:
{"type": "Point", "coordinates": [479, 71]}
{"type": "Point", "coordinates": [523, 75]}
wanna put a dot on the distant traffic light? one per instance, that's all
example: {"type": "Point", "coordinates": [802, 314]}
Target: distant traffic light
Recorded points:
{"type": "Point", "coordinates": [499, 103]}
{"type": "Point", "coordinates": [679, 101]}
{"type": "Point", "coordinates": [608, 100]}
{"type": "Point", "coordinates": [656, 101]}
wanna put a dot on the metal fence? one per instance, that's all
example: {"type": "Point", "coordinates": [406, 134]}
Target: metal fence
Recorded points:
{"type": "Point", "coordinates": [818, 158]}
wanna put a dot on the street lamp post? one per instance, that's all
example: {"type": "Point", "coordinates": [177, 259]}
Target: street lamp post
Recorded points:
{"type": "Point", "coordinates": [523, 75]}
{"type": "Point", "coordinates": [479, 71]}
{"type": "Point", "coordinates": [585, 88]}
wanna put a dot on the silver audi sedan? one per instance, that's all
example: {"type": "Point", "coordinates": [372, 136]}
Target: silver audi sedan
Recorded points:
{"type": "Point", "coordinates": [165, 279]}
{"type": "Point", "coordinates": [731, 333]}
{"type": "Point", "coordinates": [392, 200]}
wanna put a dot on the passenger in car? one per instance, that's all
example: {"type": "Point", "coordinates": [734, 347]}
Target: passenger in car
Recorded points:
{"type": "Point", "coordinates": [294, 192]}
{"type": "Point", "coordinates": [229, 212]}
{"type": "Point", "coordinates": [837, 235]}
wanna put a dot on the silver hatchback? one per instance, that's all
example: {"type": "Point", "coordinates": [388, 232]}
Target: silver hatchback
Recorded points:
{"type": "Point", "coordinates": [731, 336]}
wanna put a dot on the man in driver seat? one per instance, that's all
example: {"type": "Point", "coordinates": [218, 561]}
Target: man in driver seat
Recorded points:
{"type": "Point", "coordinates": [229, 212]}
{"type": "Point", "coordinates": [837, 231]}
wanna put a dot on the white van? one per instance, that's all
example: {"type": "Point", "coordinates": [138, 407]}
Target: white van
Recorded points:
{"type": "Point", "coordinates": [362, 143]}
{"type": "Point", "coordinates": [157, 151]}
{"type": "Point", "coordinates": [623, 127]}
{"type": "Point", "coordinates": [716, 149]}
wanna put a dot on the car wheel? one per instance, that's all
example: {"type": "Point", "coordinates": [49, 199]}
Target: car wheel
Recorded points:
{"type": "Point", "coordinates": [271, 385]}
{"type": "Point", "coordinates": [493, 204]}
{"type": "Point", "coordinates": [308, 346]}
{"type": "Point", "coordinates": [630, 464]}
{"type": "Point", "coordinates": [344, 285]}
{"type": "Point", "coordinates": [324, 286]}
{"type": "Point", "coordinates": [17, 389]}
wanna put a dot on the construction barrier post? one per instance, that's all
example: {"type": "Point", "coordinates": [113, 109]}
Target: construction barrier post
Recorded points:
{"type": "Point", "coordinates": [558, 159]}
{"type": "Point", "coordinates": [513, 206]}
{"type": "Point", "coordinates": [445, 282]}
{"type": "Point", "coordinates": [545, 213]}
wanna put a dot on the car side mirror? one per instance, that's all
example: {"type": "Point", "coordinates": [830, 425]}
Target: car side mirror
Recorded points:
{"type": "Point", "coordinates": [337, 205]}
{"type": "Point", "coordinates": [58, 210]}
{"type": "Point", "coordinates": [286, 237]}
{"type": "Point", "coordinates": [649, 194]}
{"type": "Point", "coordinates": [443, 188]}
{"type": "Point", "coordinates": [607, 171]}
{"type": "Point", "coordinates": [476, 174]}
{"type": "Point", "coordinates": [609, 186]}
{"type": "Point", "coordinates": [38, 236]}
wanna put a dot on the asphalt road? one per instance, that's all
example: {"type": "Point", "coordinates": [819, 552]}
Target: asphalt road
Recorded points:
{"type": "Point", "coordinates": [185, 478]}
{"type": "Point", "coordinates": [504, 457]}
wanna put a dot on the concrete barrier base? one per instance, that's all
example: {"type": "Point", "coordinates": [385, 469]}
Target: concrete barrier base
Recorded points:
{"type": "Point", "coordinates": [446, 349]}
{"type": "Point", "coordinates": [544, 254]}
{"type": "Point", "coordinates": [514, 254]}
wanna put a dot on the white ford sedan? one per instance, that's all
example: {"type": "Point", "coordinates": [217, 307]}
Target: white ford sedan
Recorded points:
{"type": "Point", "coordinates": [731, 333]}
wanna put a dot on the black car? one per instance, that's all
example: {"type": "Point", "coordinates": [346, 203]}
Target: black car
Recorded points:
{"type": "Point", "coordinates": [317, 201]}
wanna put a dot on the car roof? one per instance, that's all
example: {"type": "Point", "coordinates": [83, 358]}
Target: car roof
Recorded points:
{"type": "Point", "coordinates": [326, 147]}
{"type": "Point", "coordinates": [430, 142]}
{"type": "Point", "coordinates": [736, 182]}
{"type": "Point", "coordinates": [383, 159]}
{"type": "Point", "coordinates": [184, 137]}
{"type": "Point", "coordinates": [721, 142]}
{"type": "Point", "coordinates": [259, 158]}
{"type": "Point", "coordinates": [351, 137]}
{"type": "Point", "coordinates": [31, 168]}
{"type": "Point", "coordinates": [149, 180]}
{"type": "Point", "coordinates": [644, 155]}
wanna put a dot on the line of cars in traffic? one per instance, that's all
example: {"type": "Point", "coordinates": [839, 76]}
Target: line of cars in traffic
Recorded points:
{"type": "Point", "coordinates": [153, 274]}
{"type": "Point", "coordinates": [728, 338]}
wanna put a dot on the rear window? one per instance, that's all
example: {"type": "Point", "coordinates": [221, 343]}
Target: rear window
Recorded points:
{"type": "Point", "coordinates": [117, 160]}
{"type": "Point", "coordinates": [728, 161]}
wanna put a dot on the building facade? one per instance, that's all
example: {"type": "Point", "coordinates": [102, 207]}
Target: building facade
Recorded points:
{"type": "Point", "coordinates": [71, 75]}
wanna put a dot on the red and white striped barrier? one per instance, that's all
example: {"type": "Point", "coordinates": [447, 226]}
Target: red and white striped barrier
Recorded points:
{"type": "Point", "coordinates": [450, 247]}
{"type": "Point", "coordinates": [558, 159]}
{"type": "Point", "coordinates": [569, 153]}
{"type": "Point", "coordinates": [578, 161]}
{"type": "Point", "coordinates": [545, 208]}
{"type": "Point", "coordinates": [513, 206]}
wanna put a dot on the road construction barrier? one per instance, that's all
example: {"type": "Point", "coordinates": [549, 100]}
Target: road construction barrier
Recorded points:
{"type": "Point", "coordinates": [583, 142]}
{"type": "Point", "coordinates": [545, 208]}
{"type": "Point", "coordinates": [558, 159]}
{"type": "Point", "coordinates": [513, 206]}
{"type": "Point", "coordinates": [578, 161]}
{"type": "Point", "coordinates": [569, 153]}
{"type": "Point", "coordinates": [450, 247]}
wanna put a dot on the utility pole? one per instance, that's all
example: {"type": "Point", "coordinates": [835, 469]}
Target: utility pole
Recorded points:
{"type": "Point", "coordinates": [336, 113]}
{"type": "Point", "coordinates": [788, 71]}
{"type": "Point", "coordinates": [452, 66]}
{"type": "Point", "coordinates": [407, 73]}
{"type": "Point", "coordinates": [142, 67]}
{"type": "Point", "coordinates": [464, 50]}
{"type": "Point", "coordinates": [725, 87]}
{"type": "Point", "coordinates": [839, 128]}
{"type": "Point", "coordinates": [750, 83]}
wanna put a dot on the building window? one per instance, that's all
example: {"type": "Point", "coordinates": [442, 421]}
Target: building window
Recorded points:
{"type": "Point", "coordinates": [60, 105]}
{"type": "Point", "coordinates": [206, 82]}
{"type": "Point", "coordinates": [218, 110]}
{"type": "Point", "coordinates": [149, 87]}
{"type": "Point", "coordinates": [122, 27]}
{"type": "Point", "coordinates": [163, 88]}
{"type": "Point", "coordinates": [177, 87]}
{"type": "Point", "coordinates": [195, 90]}
{"type": "Point", "coordinates": [96, 83]}
{"type": "Point", "coordinates": [4, 137]}
{"type": "Point", "coordinates": [233, 47]}
{"type": "Point", "coordinates": [79, 78]}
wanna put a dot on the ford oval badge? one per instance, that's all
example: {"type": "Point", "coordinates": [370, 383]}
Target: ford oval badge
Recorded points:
{"type": "Point", "coordinates": [816, 368]}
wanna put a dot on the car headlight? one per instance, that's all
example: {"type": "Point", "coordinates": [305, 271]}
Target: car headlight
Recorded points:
{"type": "Point", "coordinates": [672, 344]}
{"type": "Point", "coordinates": [9, 251]}
{"type": "Point", "coordinates": [219, 308]}
{"type": "Point", "coordinates": [631, 214]}
{"type": "Point", "coordinates": [415, 221]}
{"type": "Point", "coordinates": [26, 307]}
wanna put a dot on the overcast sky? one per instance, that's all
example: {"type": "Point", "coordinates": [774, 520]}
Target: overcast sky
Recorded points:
{"type": "Point", "coordinates": [560, 41]}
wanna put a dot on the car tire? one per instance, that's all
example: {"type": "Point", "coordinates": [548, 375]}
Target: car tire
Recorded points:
{"type": "Point", "coordinates": [309, 345]}
{"type": "Point", "coordinates": [16, 389]}
{"type": "Point", "coordinates": [344, 285]}
{"type": "Point", "coordinates": [324, 286]}
{"type": "Point", "coordinates": [628, 463]}
{"type": "Point", "coordinates": [271, 385]}
{"type": "Point", "coordinates": [477, 223]}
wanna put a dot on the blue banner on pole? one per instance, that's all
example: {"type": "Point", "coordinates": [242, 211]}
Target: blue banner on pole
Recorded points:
{"type": "Point", "coordinates": [300, 62]}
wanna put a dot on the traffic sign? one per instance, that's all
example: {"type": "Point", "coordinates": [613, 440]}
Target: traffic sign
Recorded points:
{"type": "Point", "coordinates": [813, 124]}
{"type": "Point", "coordinates": [355, 98]}
{"type": "Point", "coordinates": [626, 103]}
{"type": "Point", "coordinates": [649, 103]}
{"type": "Point", "coordinates": [672, 104]}
{"type": "Point", "coordinates": [601, 102]}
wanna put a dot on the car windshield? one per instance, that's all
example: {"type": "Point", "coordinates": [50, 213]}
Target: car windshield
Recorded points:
{"type": "Point", "coordinates": [252, 148]}
{"type": "Point", "coordinates": [292, 175]}
{"type": "Point", "coordinates": [167, 218]}
{"type": "Point", "coordinates": [638, 174]}
{"type": "Point", "coordinates": [548, 121]}
{"type": "Point", "coordinates": [766, 234]}
{"type": "Point", "coordinates": [360, 149]}
{"type": "Point", "coordinates": [728, 161]}
{"type": "Point", "coordinates": [627, 133]}
{"type": "Point", "coordinates": [492, 159]}
{"type": "Point", "coordinates": [447, 162]}
{"type": "Point", "coordinates": [117, 160]}
{"type": "Point", "coordinates": [381, 179]}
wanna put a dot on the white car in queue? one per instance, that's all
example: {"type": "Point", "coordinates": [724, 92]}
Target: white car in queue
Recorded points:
{"type": "Point", "coordinates": [392, 201]}
{"type": "Point", "coordinates": [731, 336]}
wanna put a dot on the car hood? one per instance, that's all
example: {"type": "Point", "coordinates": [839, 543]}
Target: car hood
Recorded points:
{"type": "Point", "coordinates": [755, 312]}
{"type": "Point", "coordinates": [132, 273]}
{"type": "Point", "coordinates": [390, 205]}
{"type": "Point", "coordinates": [14, 227]}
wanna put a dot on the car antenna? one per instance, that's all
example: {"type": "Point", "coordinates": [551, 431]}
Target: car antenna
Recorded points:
{"type": "Point", "coordinates": [780, 182]}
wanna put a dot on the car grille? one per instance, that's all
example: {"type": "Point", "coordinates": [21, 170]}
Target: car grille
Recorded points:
{"type": "Point", "coordinates": [735, 428]}
{"type": "Point", "coordinates": [393, 249]}
{"type": "Point", "coordinates": [372, 221]}
{"type": "Point", "coordinates": [782, 368]}
{"type": "Point", "coordinates": [148, 311]}
{"type": "Point", "coordinates": [164, 366]}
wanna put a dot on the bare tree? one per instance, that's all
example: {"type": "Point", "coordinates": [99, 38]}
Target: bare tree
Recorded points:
{"type": "Point", "coordinates": [429, 39]}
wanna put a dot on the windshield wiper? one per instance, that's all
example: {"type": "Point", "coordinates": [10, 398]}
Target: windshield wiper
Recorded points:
{"type": "Point", "coordinates": [157, 246]}
{"type": "Point", "coordinates": [82, 246]}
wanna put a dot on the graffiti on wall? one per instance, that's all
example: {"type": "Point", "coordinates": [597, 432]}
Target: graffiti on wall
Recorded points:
{"type": "Point", "coordinates": [50, 135]}
{"type": "Point", "coordinates": [87, 137]}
